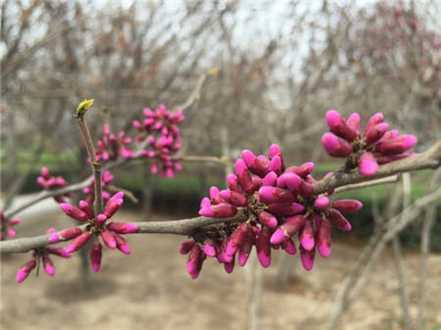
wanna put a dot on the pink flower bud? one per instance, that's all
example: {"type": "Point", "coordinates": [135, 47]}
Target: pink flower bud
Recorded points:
{"type": "Point", "coordinates": [353, 122]}
{"type": "Point", "coordinates": [339, 220]}
{"type": "Point", "coordinates": [375, 119]}
{"type": "Point", "coordinates": [121, 244]}
{"type": "Point", "coordinates": [86, 207]}
{"type": "Point", "coordinates": [236, 239]}
{"type": "Point", "coordinates": [100, 219]}
{"type": "Point", "coordinates": [229, 266]}
{"type": "Point", "coordinates": [248, 156]}
{"type": "Point", "coordinates": [186, 246]}
{"type": "Point", "coordinates": [387, 159]}
{"type": "Point", "coordinates": [11, 233]}
{"type": "Point", "coordinates": [243, 175]}
{"type": "Point", "coordinates": [338, 126]}
{"type": "Point", "coordinates": [276, 164]}
{"type": "Point", "coordinates": [114, 204]}
{"type": "Point", "coordinates": [261, 165]}
{"type": "Point", "coordinates": [58, 252]}
{"type": "Point", "coordinates": [263, 247]}
{"type": "Point", "coordinates": [64, 235]}
{"type": "Point", "coordinates": [290, 181]}
{"type": "Point", "coordinates": [195, 261]}
{"type": "Point", "coordinates": [222, 210]}
{"type": "Point", "coordinates": [307, 258]}
{"type": "Point", "coordinates": [289, 246]}
{"type": "Point", "coordinates": [78, 242]}
{"type": "Point", "coordinates": [73, 212]}
{"type": "Point", "coordinates": [233, 183]}
{"type": "Point", "coordinates": [396, 146]}
{"type": "Point", "coordinates": [270, 194]}
{"type": "Point", "coordinates": [347, 205]}
{"type": "Point", "coordinates": [367, 165]}
{"type": "Point", "coordinates": [268, 219]}
{"type": "Point", "coordinates": [321, 202]}
{"type": "Point", "coordinates": [375, 133]}
{"type": "Point", "coordinates": [335, 146]}
{"type": "Point", "coordinates": [302, 170]}
{"type": "Point", "coordinates": [274, 150]}
{"type": "Point", "coordinates": [324, 238]}
{"type": "Point", "coordinates": [270, 179]}
{"type": "Point", "coordinates": [245, 248]}
{"type": "Point", "coordinates": [285, 231]}
{"type": "Point", "coordinates": [234, 197]}
{"type": "Point", "coordinates": [25, 270]}
{"type": "Point", "coordinates": [307, 236]}
{"type": "Point", "coordinates": [96, 256]}
{"type": "Point", "coordinates": [108, 239]}
{"type": "Point", "coordinates": [285, 209]}
{"type": "Point", "coordinates": [48, 265]}
{"type": "Point", "coordinates": [123, 227]}
{"type": "Point", "coordinates": [209, 248]}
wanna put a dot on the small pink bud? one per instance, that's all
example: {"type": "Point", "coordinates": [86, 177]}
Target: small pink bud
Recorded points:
{"type": "Point", "coordinates": [339, 220]}
{"type": "Point", "coordinates": [268, 219]}
{"type": "Point", "coordinates": [78, 242]}
{"type": "Point", "coordinates": [307, 237]}
{"type": "Point", "coordinates": [108, 239]}
{"type": "Point", "coordinates": [347, 205]}
{"type": "Point", "coordinates": [338, 126]}
{"type": "Point", "coordinates": [229, 266]}
{"type": "Point", "coordinates": [100, 219]}
{"type": "Point", "coordinates": [73, 212]}
{"type": "Point", "coordinates": [270, 194]}
{"type": "Point", "coordinates": [289, 247]}
{"type": "Point", "coordinates": [307, 258]}
{"type": "Point", "coordinates": [114, 204]}
{"type": "Point", "coordinates": [236, 239]}
{"type": "Point", "coordinates": [397, 145]}
{"type": "Point", "coordinates": [353, 121]}
{"type": "Point", "coordinates": [243, 175]}
{"type": "Point", "coordinates": [58, 252]}
{"type": "Point", "coordinates": [263, 247]}
{"type": "Point", "coordinates": [336, 146]}
{"type": "Point", "coordinates": [274, 150]}
{"type": "Point", "coordinates": [302, 170]}
{"type": "Point", "coordinates": [86, 207]}
{"type": "Point", "coordinates": [248, 156]}
{"type": "Point", "coordinates": [270, 179]}
{"type": "Point", "coordinates": [367, 165]}
{"type": "Point", "coordinates": [321, 202]}
{"type": "Point", "coordinates": [375, 119]}
{"type": "Point", "coordinates": [186, 246]}
{"type": "Point", "coordinates": [290, 181]}
{"type": "Point", "coordinates": [375, 133]}
{"type": "Point", "coordinates": [245, 248]}
{"type": "Point", "coordinates": [96, 256]}
{"type": "Point", "coordinates": [234, 197]}
{"type": "Point", "coordinates": [64, 235]}
{"type": "Point", "coordinates": [195, 261]}
{"type": "Point", "coordinates": [285, 209]}
{"type": "Point", "coordinates": [44, 172]}
{"type": "Point", "coordinates": [123, 227]}
{"type": "Point", "coordinates": [222, 210]}
{"type": "Point", "coordinates": [276, 164]}
{"type": "Point", "coordinates": [285, 231]}
{"type": "Point", "coordinates": [48, 265]}
{"type": "Point", "coordinates": [25, 270]}
{"type": "Point", "coordinates": [324, 238]}
{"type": "Point", "coordinates": [121, 244]}
{"type": "Point", "coordinates": [209, 248]}
{"type": "Point", "coordinates": [11, 233]}
{"type": "Point", "coordinates": [233, 183]}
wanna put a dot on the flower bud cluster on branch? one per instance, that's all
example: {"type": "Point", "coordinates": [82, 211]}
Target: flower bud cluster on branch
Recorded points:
{"type": "Point", "coordinates": [266, 204]}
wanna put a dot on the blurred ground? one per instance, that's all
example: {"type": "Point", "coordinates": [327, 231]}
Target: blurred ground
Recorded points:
{"type": "Point", "coordinates": [151, 290]}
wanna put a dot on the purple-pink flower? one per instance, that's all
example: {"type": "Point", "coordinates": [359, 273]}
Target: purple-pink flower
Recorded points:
{"type": "Point", "coordinates": [49, 182]}
{"type": "Point", "coordinates": [111, 146]}
{"type": "Point", "coordinates": [377, 144]}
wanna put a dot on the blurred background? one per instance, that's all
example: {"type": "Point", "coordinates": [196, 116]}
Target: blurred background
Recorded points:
{"type": "Point", "coordinates": [267, 71]}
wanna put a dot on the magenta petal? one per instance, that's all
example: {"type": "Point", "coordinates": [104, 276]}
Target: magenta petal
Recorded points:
{"type": "Point", "coordinates": [336, 146]}
{"type": "Point", "coordinates": [347, 205]}
{"type": "Point", "coordinates": [263, 248]}
{"type": "Point", "coordinates": [48, 265]}
{"type": "Point", "coordinates": [307, 258]}
{"type": "Point", "coordinates": [321, 202]}
{"type": "Point", "coordinates": [324, 238]}
{"type": "Point", "coordinates": [25, 270]}
{"type": "Point", "coordinates": [307, 236]}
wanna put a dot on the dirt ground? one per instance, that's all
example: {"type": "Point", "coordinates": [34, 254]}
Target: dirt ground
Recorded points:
{"type": "Point", "coordinates": [151, 290]}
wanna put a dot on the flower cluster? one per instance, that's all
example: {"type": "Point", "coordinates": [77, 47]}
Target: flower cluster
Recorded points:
{"type": "Point", "coordinates": [7, 226]}
{"type": "Point", "coordinates": [275, 203]}
{"type": "Point", "coordinates": [111, 146]}
{"type": "Point", "coordinates": [377, 144]}
{"type": "Point", "coordinates": [98, 226]}
{"type": "Point", "coordinates": [161, 135]}
{"type": "Point", "coordinates": [40, 256]}
{"type": "Point", "coordinates": [49, 182]}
